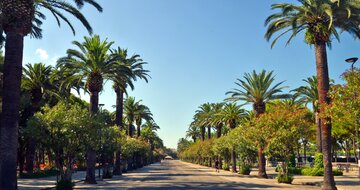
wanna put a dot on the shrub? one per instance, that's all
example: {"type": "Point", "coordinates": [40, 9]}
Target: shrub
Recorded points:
{"type": "Point", "coordinates": [319, 162]}
{"type": "Point", "coordinates": [292, 162]}
{"type": "Point", "coordinates": [312, 171]}
{"type": "Point", "coordinates": [39, 174]}
{"type": "Point", "coordinates": [65, 185]}
{"type": "Point", "coordinates": [318, 172]}
{"type": "Point", "coordinates": [245, 169]}
{"type": "Point", "coordinates": [226, 167]}
{"type": "Point", "coordinates": [285, 178]}
{"type": "Point", "coordinates": [337, 173]}
{"type": "Point", "coordinates": [294, 170]}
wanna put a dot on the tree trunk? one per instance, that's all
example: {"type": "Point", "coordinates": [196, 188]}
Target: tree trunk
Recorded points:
{"type": "Point", "coordinates": [119, 108]}
{"type": "Point", "coordinates": [202, 130]}
{"type": "Point", "coordinates": [91, 153]}
{"type": "Point", "coordinates": [138, 130]}
{"type": "Point", "coordinates": [305, 143]}
{"type": "Point", "coordinates": [347, 151]}
{"type": "Point", "coordinates": [218, 131]}
{"type": "Point", "coordinates": [355, 153]}
{"type": "Point", "coordinates": [90, 164]}
{"type": "Point", "coordinates": [233, 161]}
{"type": "Point", "coordinates": [117, 168]}
{"type": "Point", "coordinates": [262, 164]}
{"type": "Point", "coordinates": [318, 132]}
{"type": "Point", "coordinates": [30, 155]}
{"type": "Point", "coordinates": [323, 88]}
{"type": "Point", "coordinates": [130, 130]}
{"type": "Point", "coordinates": [209, 132]}
{"type": "Point", "coordinates": [10, 109]}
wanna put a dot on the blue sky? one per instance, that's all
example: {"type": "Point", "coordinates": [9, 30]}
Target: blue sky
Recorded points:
{"type": "Point", "coordinates": [195, 49]}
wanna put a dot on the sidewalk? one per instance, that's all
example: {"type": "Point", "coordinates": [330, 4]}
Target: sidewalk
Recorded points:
{"type": "Point", "coordinates": [47, 182]}
{"type": "Point", "coordinates": [349, 181]}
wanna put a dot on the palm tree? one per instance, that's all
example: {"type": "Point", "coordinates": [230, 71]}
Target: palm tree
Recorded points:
{"type": "Point", "coordinates": [142, 112]}
{"type": "Point", "coordinates": [231, 115]}
{"type": "Point", "coordinates": [130, 110]}
{"type": "Point", "coordinates": [321, 21]}
{"type": "Point", "coordinates": [92, 64]}
{"type": "Point", "coordinates": [203, 118]}
{"type": "Point", "coordinates": [36, 80]}
{"type": "Point", "coordinates": [309, 94]}
{"type": "Point", "coordinates": [16, 22]}
{"type": "Point", "coordinates": [215, 120]}
{"type": "Point", "coordinates": [193, 132]}
{"type": "Point", "coordinates": [256, 89]}
{"type": "Point", "coordinates": [122, 80]}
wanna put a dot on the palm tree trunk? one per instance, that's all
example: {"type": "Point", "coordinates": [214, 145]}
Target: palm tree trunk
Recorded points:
{"type": "Point", "coordinates": [218, 131]}
{"type": "Point", "coordinates": [233, 160]}
{"type": "Point", "coordinates": [91, 153]}
{"type": "Point", "coordinates": [130, 130]}
{"type": "Point", "coordinates": [10, 109]}
{"type": "Point", "coordinates": [318, 132]}
{"type": "Point", "coordinates": [323, 88]}
{"type": "Point", "coordinates": [209, 132]}
{"type": "Point", "coordinates": [202, 130]}
{"type": "Point", "coordinates": [262, 164]}
{"type": "Point", "coordinates": [138, 131]}
{"type": "Point", "coordinates": [119, 108]}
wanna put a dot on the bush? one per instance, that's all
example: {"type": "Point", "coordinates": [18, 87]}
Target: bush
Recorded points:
{"type": "Point", "coordinates": [39, 174]}
{"type": "Point", "coordinates": [319, 162]}
{"type": "Point", "coordinates": [285, 178]}
{"type": "Point", "coordinates": [292, 162]}
{"type": "Point", "coordinates": [337, 173]}
{"type": "Point", "coordinates": [318, 172]}
{"type": "Point", "coordinates": [226, 167]}
{"type": "Point", "coordinates": [245, 169]}
{"type": "Point", "coordinates": [312, 171]}
{"type": "Point", "coordinates": [65, 185]}
{"type": "Point", "coordinates": [294, 170]}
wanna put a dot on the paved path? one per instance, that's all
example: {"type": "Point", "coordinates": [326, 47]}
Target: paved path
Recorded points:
{"type": "Point", "coordinates": [174, 174]}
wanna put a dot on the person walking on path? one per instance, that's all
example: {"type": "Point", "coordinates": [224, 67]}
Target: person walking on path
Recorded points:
{"type": "Point", "coordinates": [217, 166]}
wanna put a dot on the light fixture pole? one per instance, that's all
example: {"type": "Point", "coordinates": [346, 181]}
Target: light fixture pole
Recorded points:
{"type": "Point", "coordinates": [352, 61]}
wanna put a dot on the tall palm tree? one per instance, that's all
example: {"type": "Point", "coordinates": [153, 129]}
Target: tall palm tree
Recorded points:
{"type": "Point", "coordinates": [130, 110]}
{"type": "Point", "coordinates": [123, 80]}
{"type": "Point", "coordinates": [257, 89]}
{"type": "Point", "coordinates": [215, 120]}
{"type": "Point", "coordinates": [16, 22]}
{"type": "Point", "coordinates": [193, 132]}
{"type": "Point", "coordinates": [92, 63]}
{"type": "Point", "coordinates": [203, 115]}
{"type": "Point", "coordinates": [321, 20]}
{"type": "Point", "coordinates": [36, 80]}
{"type": "Point", "coordinates": [142, 113]}
{"type": "Point", "coordinates": [309, 94]}
{"type": "Point", "coordinates": [231, 115]}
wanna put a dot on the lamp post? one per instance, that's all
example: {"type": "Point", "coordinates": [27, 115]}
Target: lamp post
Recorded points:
{"type": "Point", "coordinates": [352, 61]}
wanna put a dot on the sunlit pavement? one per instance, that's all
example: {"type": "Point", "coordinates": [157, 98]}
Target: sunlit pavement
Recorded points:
{"type": "Point", "coordinates": [174, 174]}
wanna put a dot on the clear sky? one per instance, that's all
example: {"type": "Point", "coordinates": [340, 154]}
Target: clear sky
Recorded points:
{"type": "Point", "coordinates": [195, 49]}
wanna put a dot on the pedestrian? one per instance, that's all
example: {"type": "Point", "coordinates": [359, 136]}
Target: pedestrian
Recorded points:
{"type": "Point", "coordinates": [217, 166]}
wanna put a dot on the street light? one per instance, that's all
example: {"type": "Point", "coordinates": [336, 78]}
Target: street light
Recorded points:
{"type": "Point", "coordinates": [352, 60]}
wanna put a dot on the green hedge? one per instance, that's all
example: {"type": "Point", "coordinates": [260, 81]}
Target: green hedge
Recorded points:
{"type": "Point", "coordinates": [318, 172]}
{"type": "Point", "coordinates": [39, 174]}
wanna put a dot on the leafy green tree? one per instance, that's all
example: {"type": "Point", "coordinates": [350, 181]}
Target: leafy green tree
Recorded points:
{"type": "Point", "coordinates": [66, 130]}
{"type": "Point", "coordinates": [92, 64]}
{"type": "Point", "coordinates": [16, 22]}
{"type": "Point", "coordinates": [232, 115]}
{"type": "Point", "coordinates": [257, 89]}
{"type": "Point", "coordinates": [193, 132]}
{"type": "Point", "coordinates": [321, 21]}
{"type": "Point", "coordinates": [36, 80]}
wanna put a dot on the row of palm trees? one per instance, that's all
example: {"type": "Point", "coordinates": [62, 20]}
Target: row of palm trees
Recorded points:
{"type": "Point", "coordinates": [87, 67]}
{"type": "Point", "coordinates": [257, 89]}
{"type": "Point", "coordinates": [18, 19]}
